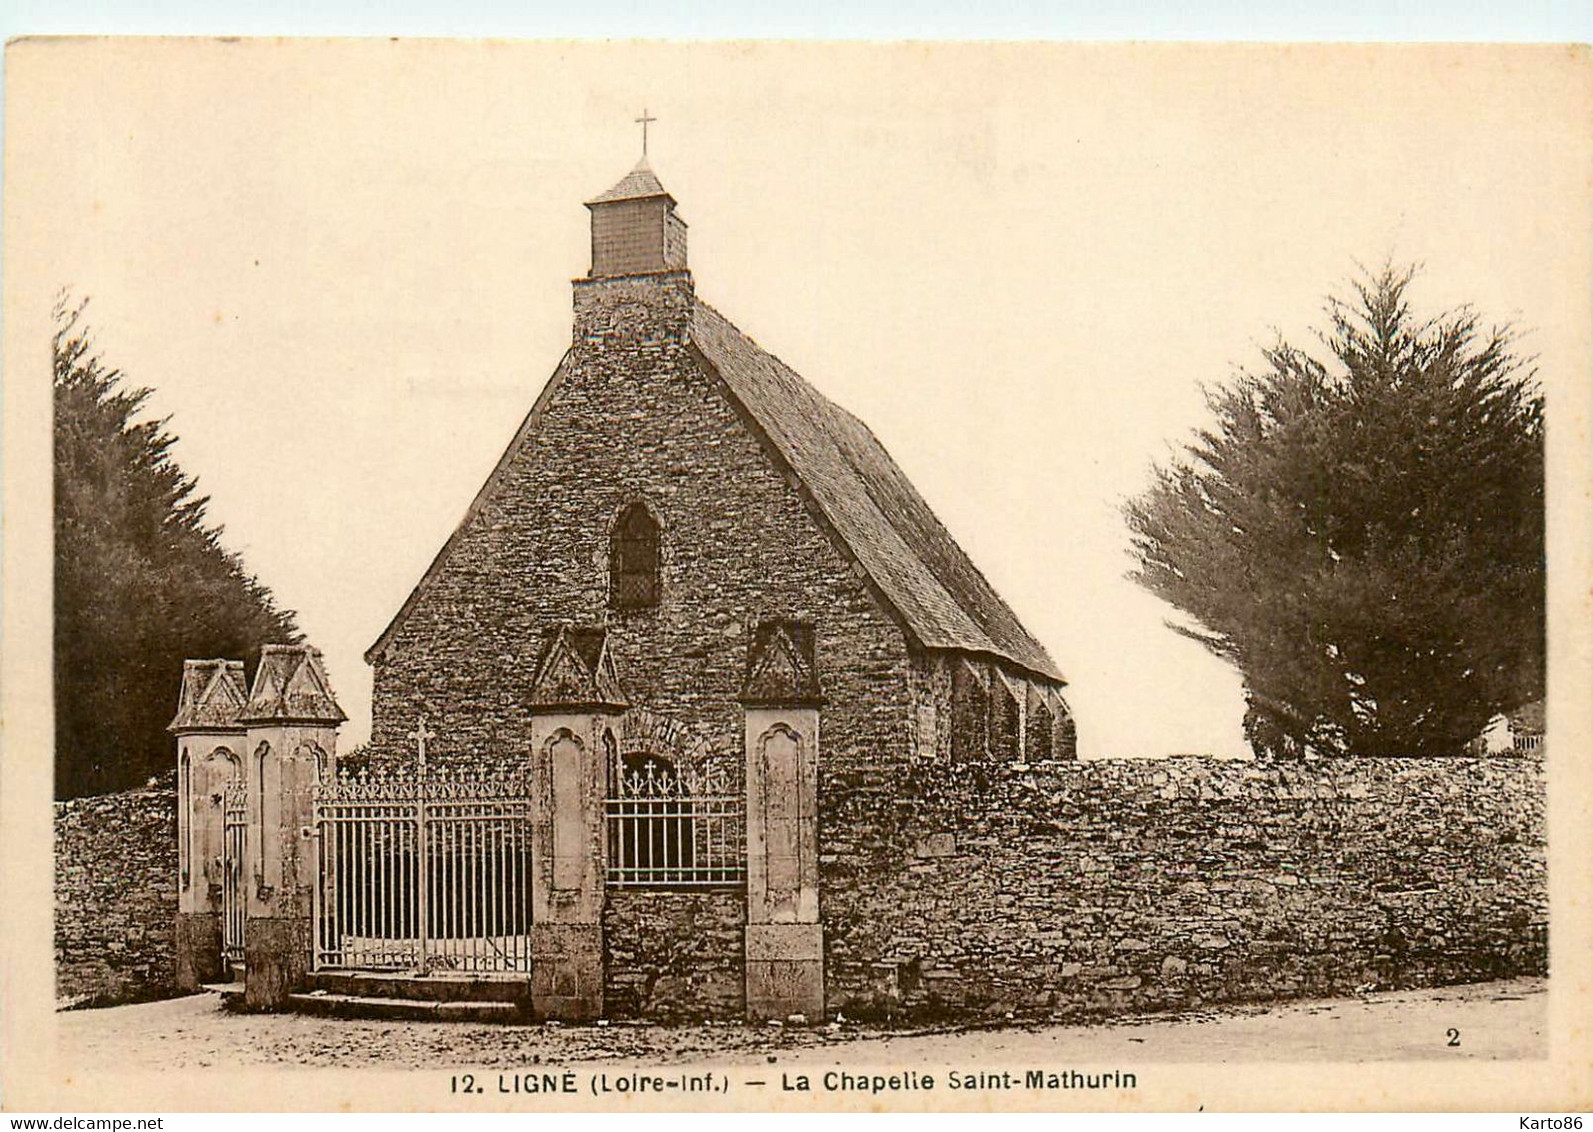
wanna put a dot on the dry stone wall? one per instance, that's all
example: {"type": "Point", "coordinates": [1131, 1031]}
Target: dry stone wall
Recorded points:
{"type": "Point", "coordinates": [115, 896]}
{"type": "Point", "coordinates": [1078, 889]}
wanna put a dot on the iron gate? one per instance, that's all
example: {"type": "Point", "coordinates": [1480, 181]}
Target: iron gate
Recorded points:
{"type": "Point", "coordinates": [234, 897]}
{"type": "Point", "coordinates": [423, 873]}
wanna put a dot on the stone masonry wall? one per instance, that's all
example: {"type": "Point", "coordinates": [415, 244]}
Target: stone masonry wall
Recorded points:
{"type": "Point", "coordinates": [1078, 889]}
{"type": "Point", "coordinates": [673, 956]}
{"type": "Point", "coordinates": [115, 896]}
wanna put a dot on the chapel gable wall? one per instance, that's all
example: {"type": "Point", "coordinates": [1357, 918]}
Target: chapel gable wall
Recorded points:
{"type": "Point", "coordinates": [636, 419]}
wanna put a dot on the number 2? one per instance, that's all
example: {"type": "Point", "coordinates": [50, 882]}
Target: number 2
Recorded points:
{"type": "Point", "coordinates": [1454, 1036]}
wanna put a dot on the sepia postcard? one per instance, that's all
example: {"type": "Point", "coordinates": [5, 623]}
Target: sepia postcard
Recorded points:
{"type": "Point", "coordinates": [795, 576]}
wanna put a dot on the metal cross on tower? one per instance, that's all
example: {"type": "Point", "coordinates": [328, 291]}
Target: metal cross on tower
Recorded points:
{"type": "Point", "coordinates": [420, 735]}
{"type": "Point", "coordinates": [643, 120]}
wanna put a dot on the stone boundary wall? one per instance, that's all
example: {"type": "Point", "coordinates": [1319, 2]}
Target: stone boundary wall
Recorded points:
{"type": "Point", "coordinates": [1066, 889]}
{"type": "Point", "coordinates": [1094, 888]}
{"type": "Point", "coordinates": [115, 896]}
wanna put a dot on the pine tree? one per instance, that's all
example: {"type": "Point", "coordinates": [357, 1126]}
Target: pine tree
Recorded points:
{"type": "Point", "coordinates": [1363, 538]}
{"type": "Point", "coordinates": [141, 582]}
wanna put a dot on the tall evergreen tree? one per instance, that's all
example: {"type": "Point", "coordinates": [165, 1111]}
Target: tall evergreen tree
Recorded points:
{"type": "Point", "coordinates": [141, 582]}
{"type": "Point", "coordinates": [1363, 537]}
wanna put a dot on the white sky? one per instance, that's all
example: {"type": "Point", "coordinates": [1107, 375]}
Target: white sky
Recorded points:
{"type": "Point", "coordinates": [345, 269]}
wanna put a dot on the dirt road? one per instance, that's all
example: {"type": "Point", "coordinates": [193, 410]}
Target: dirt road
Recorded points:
{"type": "Point", "coordinates": [1502, 1020]}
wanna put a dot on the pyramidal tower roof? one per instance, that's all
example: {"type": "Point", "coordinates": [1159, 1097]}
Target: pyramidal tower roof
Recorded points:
{"type": "Point", "coordinates": [639, 184]}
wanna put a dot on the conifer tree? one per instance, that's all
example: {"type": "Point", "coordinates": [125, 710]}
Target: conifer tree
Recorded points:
{"type": "Point", "coordinates": [1362, 537]}
{"type": "Point", "coordinates": [141, 581]}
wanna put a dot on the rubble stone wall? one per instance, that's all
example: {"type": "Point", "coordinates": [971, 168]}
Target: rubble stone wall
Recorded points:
{"type": "Point", "coordinates": [115, 896]}
{"type": "Point", "coordinates": [1079, 889]}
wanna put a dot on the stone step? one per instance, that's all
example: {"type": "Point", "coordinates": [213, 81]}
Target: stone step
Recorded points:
{"type": "Point", "coordinates": [402, 1009]}
{"type": "Point", "coordinates": [231, 993]}
{"type": "Point", "coordinates": [439, 987]}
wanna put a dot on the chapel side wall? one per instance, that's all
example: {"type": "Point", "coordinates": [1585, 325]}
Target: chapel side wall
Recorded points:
{"type": "Point", "coordinates": [1080, 889]}
{"type": "Point", "coordinates": [674, 956]}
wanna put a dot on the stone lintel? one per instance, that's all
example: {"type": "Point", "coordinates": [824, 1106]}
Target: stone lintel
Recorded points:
{"type": "Point", "coordinates": [597, 284]}
{"type": "Point", "coordinates": [791, 703]}
{"type": "Point", "coordinates": [186, 731]}
{"type": "Point", "coordinates": [576, 710]}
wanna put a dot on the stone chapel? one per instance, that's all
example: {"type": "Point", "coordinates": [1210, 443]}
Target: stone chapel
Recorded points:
{"type": "Point", "coordinates": [701, 713]}
{"type": "Point", "coordinates": [703, 612]}
{"type": "Point", "coordinates": [688, 548]}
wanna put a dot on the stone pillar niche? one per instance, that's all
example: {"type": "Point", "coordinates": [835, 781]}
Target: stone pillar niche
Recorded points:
{"type": "Point", "coordinates": [784, 936]}
{"type": "Point", "coordinates": [575, 699]}
{"type": "Point", "coordinates": [569, 769]}
{"type": "Point", "coordinates": [291, 722]}
{"type": "Point", "coordinates": [209, 738]}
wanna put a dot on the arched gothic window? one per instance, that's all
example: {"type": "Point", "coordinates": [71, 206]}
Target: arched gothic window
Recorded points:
{"type": "Point", "coordinates": [633, 560]}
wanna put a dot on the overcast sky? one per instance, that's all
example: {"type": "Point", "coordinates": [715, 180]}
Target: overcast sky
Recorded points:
{"type": "Point", "coordinates": [345, 269]}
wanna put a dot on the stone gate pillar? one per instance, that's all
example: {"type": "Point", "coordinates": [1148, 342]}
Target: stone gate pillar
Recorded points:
{"type": "Point", "coordinates": [576, 703]}
{"type": "Point", "coordinates": [209, 757]}
{"type": "Point", "coordinates": [785, 940]}
{"type": "Point", "coordinates": [291, 721]}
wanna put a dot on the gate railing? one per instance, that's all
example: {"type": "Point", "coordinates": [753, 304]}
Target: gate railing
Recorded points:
{"type": "Point", "coordinates": [234, 897]}
{"type": "Point", "coordinates": [671, 828]}
{"type": "Point", "coordinates": [423, 873]}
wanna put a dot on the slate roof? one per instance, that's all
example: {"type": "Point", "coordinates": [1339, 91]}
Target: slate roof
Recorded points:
{"type": "Point", "coordinates": [873, 508]}
{"type": "Point", "coordinates": [640, 183]}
